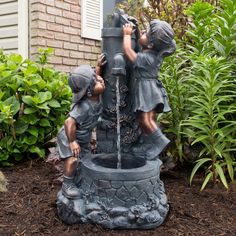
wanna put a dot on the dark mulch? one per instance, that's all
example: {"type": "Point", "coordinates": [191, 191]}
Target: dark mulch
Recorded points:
{"type": "Point", "coordinates": [29, 206]}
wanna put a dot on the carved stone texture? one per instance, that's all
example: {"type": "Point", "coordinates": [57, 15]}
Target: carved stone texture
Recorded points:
{"type": "Point", "coordinates": [132, 197]}
{"type": "Point", "coordinates": [117, 67]}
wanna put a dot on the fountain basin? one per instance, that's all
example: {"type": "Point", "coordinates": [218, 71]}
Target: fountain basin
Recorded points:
{"type": "Point", "coordinates": [130, 197]}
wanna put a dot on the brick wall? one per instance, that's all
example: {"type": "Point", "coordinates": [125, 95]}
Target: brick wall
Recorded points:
{"type": "Point", "coordinates": [57, 24]}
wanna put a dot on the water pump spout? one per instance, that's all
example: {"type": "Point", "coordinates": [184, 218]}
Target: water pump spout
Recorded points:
{"type": "Point", "coordinates": [118, 68]}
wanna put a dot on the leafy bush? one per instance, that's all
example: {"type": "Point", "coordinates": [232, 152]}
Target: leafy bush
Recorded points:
{"type": "Point", "coordinates": [168, 10]}
{"type": "Point", "coordinates": [211, 97]}
{"type": "Point", "coordinates": [201, 84]}
{"type": "Point", "coordinates": [34, 99]}
{"type": "Point", "coordinates": [174, 75]}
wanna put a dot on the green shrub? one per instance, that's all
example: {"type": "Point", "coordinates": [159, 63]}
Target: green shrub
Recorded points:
{"type": "Point", "coordinates": [168, 10]}
{"type": "Point", "coordinates": [211, 100]}
{"type": "Point", "coordinates": [212, 86]}
{"type": "Point", "coordinates": [34, 99]}
{"type": "Point", "coordinates": [201, 82]}
{"type": "Point", "coordinates": [174, 75]}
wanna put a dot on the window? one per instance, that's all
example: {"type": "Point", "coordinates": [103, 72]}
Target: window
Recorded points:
{"type": "Point", "coordinates": [91, 18]}
{"type": "Point", "coordinates": [94, 15]}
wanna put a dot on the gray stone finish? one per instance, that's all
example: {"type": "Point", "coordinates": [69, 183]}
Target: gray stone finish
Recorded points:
{"type": "Point", "coordinates": [130, 197]}
{"type": "Point", "coordinates": [111, 203]}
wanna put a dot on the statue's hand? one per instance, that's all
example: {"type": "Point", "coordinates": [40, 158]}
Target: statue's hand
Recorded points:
{"type": "Point", "coordinates": [101, 60]}
{"type": "Point", "coordinates": [75, 148]}
{"type": "Point", "coordinates": [127, 29]}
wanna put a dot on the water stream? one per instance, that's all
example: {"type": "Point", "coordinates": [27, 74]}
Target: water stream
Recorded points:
{"type": "Point", "coordinates": [118, 122]}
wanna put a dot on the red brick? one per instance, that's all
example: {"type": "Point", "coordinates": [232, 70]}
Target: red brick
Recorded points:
{"type": "Point", "coordinates": [69, 61]}
{"type": "Point", "coordinates": [62, 68]}
{"type": "Point", "coordinates": [83, 62]}
{"type": "Point", "coordinates": [84, 48]}
{"type": "Point", "coordinates": [34, 24]}
{"type": "Point", "coordinates": [98, 43]}
{"type": "Point", "coordinates": [38, 41]}
{"type": "Point", "coordinates": [61, 36]}
{"type": "Point", "coordinates": [72, 46]}
{"type": "Point", "coordinates": [90, 56]}
{"type": "Point", "coordinates": [54, 43]}
{"type": "Point", "coordinates": [45, 2]}
{"type": "Point", "coordinates": [62, 52]}
{"type": "Point", "coordinates": [42, 16]}
{"type": "Point", "coordinates": [33, 33]}
{"type": "Point", "coordinates": [72, 1]}
{"type": "Point", "coordinates": [42, 33]}
{"type": "Point", "coordinates": [76, 9]}
{"type": "Point", "coordinates": [55, 60]}
{"type": "Point", "coordinates": [48, 34]}
{"type": "Point", "coordinates": [55, 27]}
{"type": "Point", "coordinates": [38, 7]}
{"type": "Point", "coordinates": [33, 50]}
{"type": "Point", "coordinates": [62, 5]}
{"type": "Point", "coordinates": [70, 15]}
{"type": "Point", "coordinates": [96, 50]}
{"type": "Point", "coordinates": [70, 30]}
{"type": "Point", "coordinates": [62, 21]}
{"type": "Point", "coordinates": [54, 11]}
{"type": "Point", "coordinates": [42, 24]}
{"type": "Point", "coordinates": [75, 23]}
{"type": "Point", "coordinates": [76, 39]}
{"type": "Point", "coordinates": [89, 42]}
{"type": "Point", "coordinates": [76, 54]}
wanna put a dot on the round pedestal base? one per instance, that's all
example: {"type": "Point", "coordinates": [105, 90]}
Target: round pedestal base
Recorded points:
{"type": "Point", "coordinates": [132, 197]}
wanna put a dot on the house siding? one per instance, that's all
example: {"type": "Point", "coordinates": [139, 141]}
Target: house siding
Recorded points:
{"type": "Point", "coordinates": [9, 25]}
{"type": "Point", "coordinates": [57, 24]}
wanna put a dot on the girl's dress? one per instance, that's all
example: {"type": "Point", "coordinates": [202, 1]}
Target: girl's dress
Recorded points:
{"type": "Point", "coordinates": [148, 91]}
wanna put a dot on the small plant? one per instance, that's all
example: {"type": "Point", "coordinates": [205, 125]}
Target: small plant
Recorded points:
{"type": "Point", "coordinates": [34, 100]}
{"type": "Point", "coordinates": [174, 75]}
{"type": "Point", "coordinates": [211, 121]}
{"type": "Point", "coordinates": [212, 91]}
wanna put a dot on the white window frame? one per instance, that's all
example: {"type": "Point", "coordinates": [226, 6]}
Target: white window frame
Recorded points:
{"type": "Point", "coordinates": [23, 28]}
{"type": "Point", "coordinates": [86, 31]}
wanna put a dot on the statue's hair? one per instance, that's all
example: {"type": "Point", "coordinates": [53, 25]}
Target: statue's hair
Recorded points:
{"type": "Point", "coordinates": [161, 36]}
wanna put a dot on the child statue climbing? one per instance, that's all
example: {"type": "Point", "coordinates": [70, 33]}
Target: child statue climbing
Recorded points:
{"type": "Point", "coordinates": [149, 95]}
{"type": "Point", "coordinates": [74, 137]}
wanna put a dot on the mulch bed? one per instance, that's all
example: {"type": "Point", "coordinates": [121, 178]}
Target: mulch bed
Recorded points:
{"type": "Point", "coordinates": [29, 206]}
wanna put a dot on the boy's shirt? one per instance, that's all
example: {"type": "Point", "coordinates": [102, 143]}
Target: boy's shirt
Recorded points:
{"type": "Point", "coordinates": [86, 114]}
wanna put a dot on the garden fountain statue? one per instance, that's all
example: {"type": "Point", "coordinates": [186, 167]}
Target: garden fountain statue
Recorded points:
{"type": "Point", "coordinates": [119, 189]}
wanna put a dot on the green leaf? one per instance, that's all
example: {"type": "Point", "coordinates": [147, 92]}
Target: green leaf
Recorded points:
{"type": "Point", "coordinates": [28, 100]}
{"type": "Point", "coordinates": [207, 178]}
{"type": "Point", "coordinates": [40, 152]}
{"type": "Point", "coordinates": [43, 106]}
{"type": "Point", "coordinates": [31, 119]}
{"type": "Point", "coordinates": [16, 58]}
{"type": "Point", "coordinates": [33, 131]}
{"type": "Point", "coordinates": [15, 105]}
{"type": "Point", "coordinates": [54, 103]}
{"type": "Point", "coordinates": [20, 126]}
{"type": "Point", "coordinates": [200, 138]}
{"type": "Point", "coordinates": [18, 157]}
{"type": "Point", "coordinates": [29, 140]}
{"type": "Point", "coordinates": [44, 123]}
{"type": "Point", "coordinates": [221, 174]}
{"type": "Point", "coordinates": [44, 96]}
{"type": "Point", "coordinates": [200, 162]}
{"type": "Point", "coordinates": [30, 110]}
{"type": "Point", "coordinates": [230, 168]}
